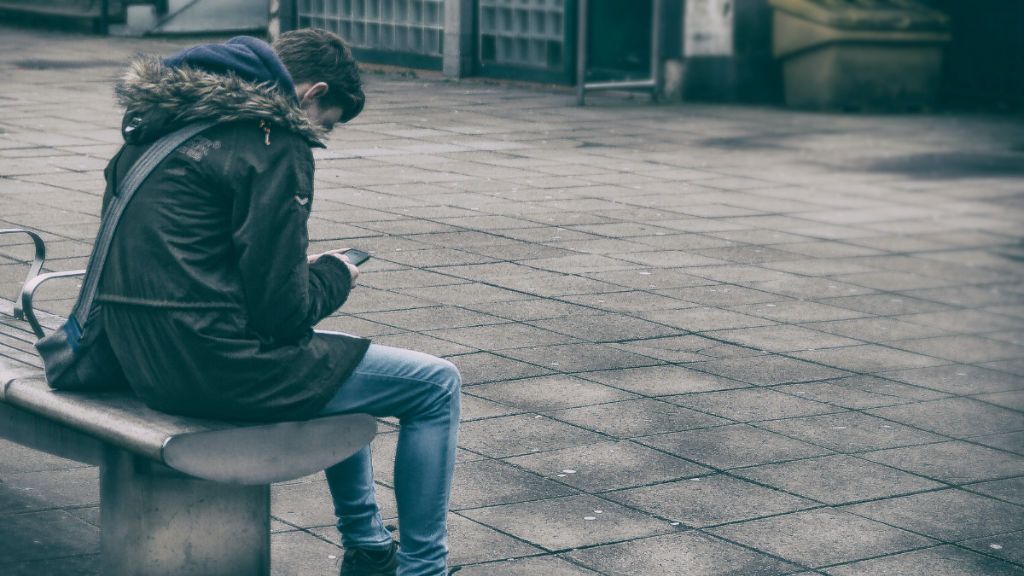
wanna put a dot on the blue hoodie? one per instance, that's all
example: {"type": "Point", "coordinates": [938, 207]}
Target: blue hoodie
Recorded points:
{"type": "Point", "coordinates": [250, 58]}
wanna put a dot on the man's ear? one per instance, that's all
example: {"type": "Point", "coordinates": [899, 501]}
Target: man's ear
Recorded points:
{"type": "Point", "coordinates": [315, 91]}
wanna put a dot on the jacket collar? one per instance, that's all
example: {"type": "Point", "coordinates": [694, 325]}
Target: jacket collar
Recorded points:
{"type": "Point", "coordinates": [153, 93]}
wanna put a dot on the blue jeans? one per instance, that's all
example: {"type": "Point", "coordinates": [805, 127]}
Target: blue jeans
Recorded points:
{"type": "Point", "coordinates": [423, 393]}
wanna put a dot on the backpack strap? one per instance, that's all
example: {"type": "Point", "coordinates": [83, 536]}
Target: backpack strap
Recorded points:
{"type": "Point", "coordinates": [138, 173]}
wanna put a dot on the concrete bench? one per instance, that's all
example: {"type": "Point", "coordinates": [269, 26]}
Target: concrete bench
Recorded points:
{"type": "Point", "coordinates": [178, 496]}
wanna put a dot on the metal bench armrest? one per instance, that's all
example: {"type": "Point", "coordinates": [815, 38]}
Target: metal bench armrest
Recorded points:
{"type": "Point", "coordinates": [29, 289]}
{"type": "Point", "coordinates": [37, 262]}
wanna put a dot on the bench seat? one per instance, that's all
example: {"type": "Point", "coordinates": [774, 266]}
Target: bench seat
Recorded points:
{"type": "Point", "coordinates": [237, 453]}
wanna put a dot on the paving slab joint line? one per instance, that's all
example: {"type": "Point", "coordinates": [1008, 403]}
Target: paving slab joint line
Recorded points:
{"type": "Point", "coordinates": [57, 556]}
{"type": "Point", "coordinates": [986, 552]}
{"type": "Point", "coordinates": [856, 454]}
{"type": "Point", "coordinates": [597, 493]}
{"type": "Point", "coordinates": [838, 379]}
{"type": "Point", "coordinates": [886, 555]}
{"type": "Point", "coordinates": [918, 549]}
{"type": "Point", "coordinates": [800, 567]}
{"type": "Point", "coordinates": [504, 533]}
{"type": "Point", "coordinates": [681, 526]}
{"type": "Point", "coordinates": [862, 411]}
{"type": "Point", "coordinates": [52, 508]}
{"type": "Point", "coordinates": [984, 401]}
{"type": "Point", "coordinates": [967, 488]}
{"type": "Point", "coordinates": [539, 416]}
{"type": "Point", "coordinates": [542, 554]}
{"type": "Point", "coordinates": [528, 501]}
{"type": "Point", "coordinates": [485, 282]}
{"type": "Point", "coordinates": [905, 529]}
{"type": "Point", "coordinates": [730, 473]}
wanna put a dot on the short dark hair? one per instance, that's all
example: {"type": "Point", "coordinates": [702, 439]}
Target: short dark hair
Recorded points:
{"type": "Point", "coordinates": [315, 55]}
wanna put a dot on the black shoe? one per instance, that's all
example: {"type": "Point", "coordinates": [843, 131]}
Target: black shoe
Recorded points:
{"type": "Point", "coordinates": [359, 562]}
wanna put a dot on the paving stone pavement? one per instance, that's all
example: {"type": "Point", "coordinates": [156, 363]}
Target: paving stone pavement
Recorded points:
{"type": "Point", "coordinates": [696, 339]}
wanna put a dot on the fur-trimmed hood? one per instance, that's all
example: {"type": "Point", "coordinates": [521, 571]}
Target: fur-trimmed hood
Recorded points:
{"type": "Point", "coordinates": [158, 99]}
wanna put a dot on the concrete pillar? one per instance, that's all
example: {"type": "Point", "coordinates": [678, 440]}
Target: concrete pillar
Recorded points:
{"type": "Point", "coordinates": [274, 20]}
{"type": "Point", "coordinates": [458, 38]}
{"type": "Point", "coordinates": [283, 12]}
{"type": "Point", "coordinates": [158, 522]}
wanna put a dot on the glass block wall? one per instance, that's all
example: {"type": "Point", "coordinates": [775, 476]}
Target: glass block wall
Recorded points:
{"type": "Point", "coordinates": [523, 33]}
{"type": "Point", "coordinates": [403, 26]}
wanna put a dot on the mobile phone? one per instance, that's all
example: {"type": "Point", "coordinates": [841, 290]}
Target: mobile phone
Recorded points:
{"type": "Point", "coordinates": [356, 257]}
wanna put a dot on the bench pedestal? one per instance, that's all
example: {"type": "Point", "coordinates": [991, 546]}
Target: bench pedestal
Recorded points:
{"type": "Point", "coordinates": [158, 522]}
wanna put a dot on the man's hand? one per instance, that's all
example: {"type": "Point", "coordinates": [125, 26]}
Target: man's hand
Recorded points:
{"type": "Point", "coordinates": [339, 254]}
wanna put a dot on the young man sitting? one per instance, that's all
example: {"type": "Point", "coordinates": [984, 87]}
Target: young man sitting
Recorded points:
{"type": "Point", "coordinates": [209, 299]}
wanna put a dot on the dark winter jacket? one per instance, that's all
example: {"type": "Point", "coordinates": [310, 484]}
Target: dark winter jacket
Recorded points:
{"type": "Point", "coordinates": [206, 295]}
